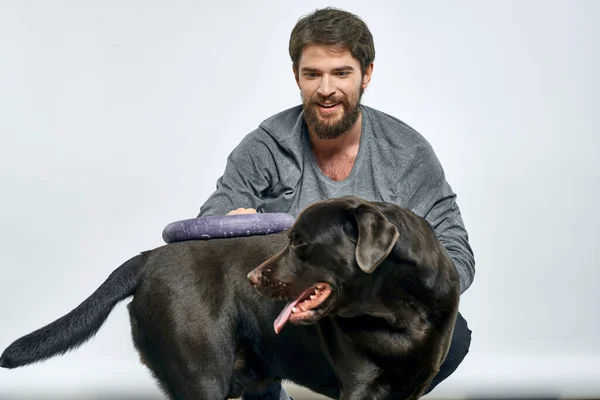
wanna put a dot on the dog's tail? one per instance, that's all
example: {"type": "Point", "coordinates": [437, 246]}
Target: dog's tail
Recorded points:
{"type": "Point", "coordinates": [78, 326]}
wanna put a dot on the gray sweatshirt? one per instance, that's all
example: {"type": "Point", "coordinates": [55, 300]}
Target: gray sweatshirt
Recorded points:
{"type": "Point", "coordinates": [273, 169]}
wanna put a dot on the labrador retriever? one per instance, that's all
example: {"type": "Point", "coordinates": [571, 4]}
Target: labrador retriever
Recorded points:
{"type": "Point", "coordinates": [378, 286]}
{"type": "Point", "coordinates": [371, 293]}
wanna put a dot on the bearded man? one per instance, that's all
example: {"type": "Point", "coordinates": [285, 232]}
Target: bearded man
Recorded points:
{"type": "Point", "coordinates": [332, 146]}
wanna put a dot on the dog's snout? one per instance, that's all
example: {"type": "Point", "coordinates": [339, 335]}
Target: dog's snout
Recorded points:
{"type": "Point", "coordinates": [254, 276]}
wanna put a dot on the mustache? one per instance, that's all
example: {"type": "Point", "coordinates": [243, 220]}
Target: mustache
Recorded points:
{"type": "Point", "coordinates": [331, 99]}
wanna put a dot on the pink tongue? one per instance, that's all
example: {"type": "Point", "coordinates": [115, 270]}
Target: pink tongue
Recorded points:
{"type": "Point", "coordinates": [284, 316]}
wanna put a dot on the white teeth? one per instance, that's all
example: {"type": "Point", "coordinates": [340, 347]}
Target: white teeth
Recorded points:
{"type": "Point", "coordinates": [294, 309]}
{"type": "Point", "coordinates": [312, 297]}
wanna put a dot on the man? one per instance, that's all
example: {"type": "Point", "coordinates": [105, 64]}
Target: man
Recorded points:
{"type": "Point", "coordinates": [333, 146]}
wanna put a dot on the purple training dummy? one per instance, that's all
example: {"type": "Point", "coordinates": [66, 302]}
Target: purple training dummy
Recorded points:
{"type": "Point", "coordinates": [226, 226]}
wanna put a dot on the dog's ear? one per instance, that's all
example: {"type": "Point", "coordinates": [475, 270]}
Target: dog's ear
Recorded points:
{"type": "Point", "coordinates": [376, 237]}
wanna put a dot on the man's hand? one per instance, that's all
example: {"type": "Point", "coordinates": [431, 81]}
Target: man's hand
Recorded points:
{"type": "Point", "coordinates": [242, 211]}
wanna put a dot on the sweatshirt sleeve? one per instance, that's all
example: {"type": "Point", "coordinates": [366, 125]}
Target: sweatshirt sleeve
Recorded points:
{"type": "Point", "coordinates": [244, 180]}
{"type": "Point", "coordinates": [436, 202]}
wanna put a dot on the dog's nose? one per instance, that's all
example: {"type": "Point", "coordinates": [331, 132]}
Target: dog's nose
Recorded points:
{"type": "Point", "coordinates": [254, 276]}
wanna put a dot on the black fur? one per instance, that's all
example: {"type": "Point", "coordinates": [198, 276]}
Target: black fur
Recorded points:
{"type": "Point", "coordinates": [206, 333]}
{"type": "Point", "coordinates": [387, 325]}
{"type": "Point", "coordinates": [79, 325]}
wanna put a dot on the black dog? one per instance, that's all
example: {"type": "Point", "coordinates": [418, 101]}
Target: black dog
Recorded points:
{"type": "Point", "coordinates": [386, 284]}
{"type": "Point", "coordinates": [378, 324]}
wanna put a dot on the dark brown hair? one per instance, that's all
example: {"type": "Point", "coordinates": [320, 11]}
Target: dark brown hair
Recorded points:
{"type": "Point", "coordinates": [336, 28]}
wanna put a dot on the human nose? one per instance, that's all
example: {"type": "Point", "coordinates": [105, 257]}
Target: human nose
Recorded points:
{"type": "Point", "coordinates": [327, 87]}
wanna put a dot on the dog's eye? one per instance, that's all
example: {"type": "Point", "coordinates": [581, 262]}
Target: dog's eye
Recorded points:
{"type": "Point", "coordinates": [298, 245]}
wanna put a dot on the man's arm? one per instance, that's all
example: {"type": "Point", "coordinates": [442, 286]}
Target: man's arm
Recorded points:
{"type": "Point", "coordinates": [436, 202]}
{"type": "Point", "coordinates": [244, 181]}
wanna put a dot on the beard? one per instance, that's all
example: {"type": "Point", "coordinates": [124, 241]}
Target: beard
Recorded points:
{"type": "Point", "coordinates": [331, 126]}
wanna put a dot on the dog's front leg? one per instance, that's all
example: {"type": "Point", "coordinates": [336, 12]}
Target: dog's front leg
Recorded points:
{"type": "Point", "coordinates": [357, 376]}
{"type": "Point", "coordinates": [359, 394]}
{"type": "Point", "coordinates": [368, 391]}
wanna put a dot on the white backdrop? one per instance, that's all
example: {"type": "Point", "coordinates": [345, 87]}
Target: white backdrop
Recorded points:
{"type": "Point", "coordinates": [116, 118]}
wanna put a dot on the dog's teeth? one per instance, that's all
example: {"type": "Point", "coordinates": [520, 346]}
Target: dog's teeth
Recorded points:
{"type": "Point", "coordinates": [294, 309]}
{"type": "Point", "coordinates": [312, 297]}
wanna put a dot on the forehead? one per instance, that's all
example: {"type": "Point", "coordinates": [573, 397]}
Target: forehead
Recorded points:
{"type": "Point", "coordinates": [326, 57]}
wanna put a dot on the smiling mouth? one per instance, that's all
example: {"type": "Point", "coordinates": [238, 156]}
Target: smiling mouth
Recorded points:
{"type": "Point", "coordinates": [303, 307]}
{"type": "Point", "coordinates": [328, 107]}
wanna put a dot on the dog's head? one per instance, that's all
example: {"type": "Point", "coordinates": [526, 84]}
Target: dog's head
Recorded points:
{"type": "Point", "coordinates": [332, 242]}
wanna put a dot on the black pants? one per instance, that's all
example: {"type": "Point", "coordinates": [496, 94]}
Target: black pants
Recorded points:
{"type": "Point", "coordinates": [459, 347]}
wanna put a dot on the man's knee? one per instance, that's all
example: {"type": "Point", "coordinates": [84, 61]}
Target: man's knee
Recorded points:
{"type": "Point", "coordinates": [459, 347]}
{"type": "Point", "coordinates": [461, 340]}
